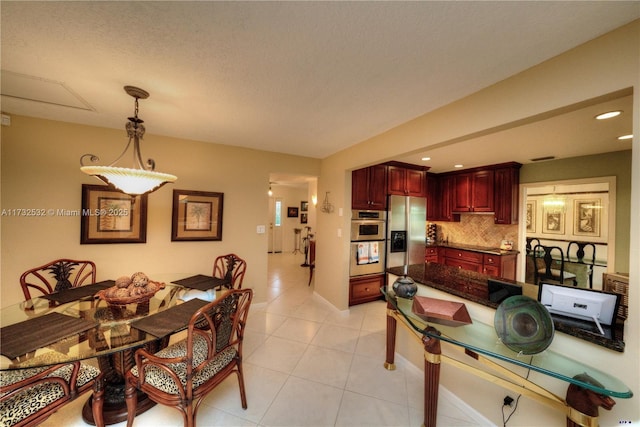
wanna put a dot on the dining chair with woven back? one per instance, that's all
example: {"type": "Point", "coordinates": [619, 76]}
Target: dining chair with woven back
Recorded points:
{"type": "Point", "coordinates": [30, 396]}
{"type": "Point", "coordinates": [56, 276]}
{"type": "Point", "coordinates": [182, 374]}
{"type": "Point", "coordinates": [232, 268]}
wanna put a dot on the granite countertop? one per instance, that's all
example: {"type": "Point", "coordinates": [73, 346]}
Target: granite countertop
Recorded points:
{"type": "Point", "coordinates": [454, 281]}
{"type": "Point", "coordinates": [474, 248]}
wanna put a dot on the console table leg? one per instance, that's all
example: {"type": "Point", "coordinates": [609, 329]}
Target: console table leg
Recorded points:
{"type": "Point", "coordinates": [432, 353]}
{"type": "Point", "coordinates": [389, 362]}
{"type": "Point", "coordinates": [584, 404]}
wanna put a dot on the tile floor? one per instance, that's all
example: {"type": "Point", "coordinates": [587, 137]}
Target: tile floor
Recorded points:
{"type": "Point", "coordinates": [307, 364]}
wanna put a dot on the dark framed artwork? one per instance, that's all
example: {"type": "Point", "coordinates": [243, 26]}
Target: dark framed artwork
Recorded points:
{"type": "Point", "coordinates": [292, 212]}
{"type": "Point", "coordinates": [304, 206]}
{"type": "Point", "coordinates": [196, 215]}
{"type": "Point", "coordinates": [110, 216]}
{"type": "Point", "coordinates": [303, 218]}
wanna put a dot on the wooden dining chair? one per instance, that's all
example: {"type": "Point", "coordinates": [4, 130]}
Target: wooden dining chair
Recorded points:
{"type": "Point", "coordinates": [57, 276]}
{"type": "Point", "coordinates": [182, 374]}
{"type": "Point", "coordinates": [232, 268]}
{"type": "Point", "coordinates": [29, 396]}
{"type": "Point", "coordinates": [549, 265]}
{"type": "Point", "coordinates": [583, 253]}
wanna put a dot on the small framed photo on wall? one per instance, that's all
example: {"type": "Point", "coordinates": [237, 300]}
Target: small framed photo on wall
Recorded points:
{"type": "Point", "coordinates": [292, 212]}
{"type": "Point", "coordinates": [586, 217]}
{"type": "Point", "coordinates": [303, 218]}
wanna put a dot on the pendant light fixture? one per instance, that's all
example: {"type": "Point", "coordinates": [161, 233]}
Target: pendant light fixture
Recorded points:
{"type": "Point", "coordinates": [139, 179]}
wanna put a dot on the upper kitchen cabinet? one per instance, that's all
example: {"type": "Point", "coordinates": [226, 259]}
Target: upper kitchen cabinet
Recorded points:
{"type": "Point", "coordinates": [439, 201]}
{"type": "Point", "coordinates": [406, 180]}
{"type": "Point", "coordinates": [505, 192]}
{"type": "Point", "coordinates": [473, 191]}
{"type": "Point", "coordinates": [369, 188]}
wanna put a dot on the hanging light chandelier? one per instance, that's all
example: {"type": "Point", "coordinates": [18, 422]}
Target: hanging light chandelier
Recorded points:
{"type": "Point", "coordinates": [139, 179]}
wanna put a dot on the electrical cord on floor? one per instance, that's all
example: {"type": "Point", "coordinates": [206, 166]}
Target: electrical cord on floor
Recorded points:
{"type": "Point", "coordinates": [505, 421]}
{"type": "Point", "coordinates": [507, 403]}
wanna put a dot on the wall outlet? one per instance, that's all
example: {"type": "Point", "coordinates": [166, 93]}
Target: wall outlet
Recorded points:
{"type": "Point", "coordinates": [261, 229]}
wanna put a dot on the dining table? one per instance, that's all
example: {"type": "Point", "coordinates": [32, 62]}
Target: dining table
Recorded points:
{"type": "Point", "coordinates": [77, 324]}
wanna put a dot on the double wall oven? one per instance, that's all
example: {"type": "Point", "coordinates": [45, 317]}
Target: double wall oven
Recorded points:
{"type": "Point", "coordinates": [368, 250]}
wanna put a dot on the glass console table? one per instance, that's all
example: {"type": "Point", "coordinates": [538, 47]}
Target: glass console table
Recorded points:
{"type": "Point", "coordinates": [589, 388]}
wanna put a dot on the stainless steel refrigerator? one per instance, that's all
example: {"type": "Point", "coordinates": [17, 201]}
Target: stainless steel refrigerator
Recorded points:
{"type": "Point", "coordinates": [406, 230]}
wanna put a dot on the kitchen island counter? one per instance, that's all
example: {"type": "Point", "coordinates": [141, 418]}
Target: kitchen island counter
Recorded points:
{"type": "Point", "coordinates": [474, 286]}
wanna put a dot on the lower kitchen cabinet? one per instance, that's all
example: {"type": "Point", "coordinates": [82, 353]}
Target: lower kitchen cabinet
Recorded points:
{"type": "Point", "coordinates": [365, 288]}
{"type": "Point", "coordinates": [431, 254]}
{"type": "Point", "coordinates": [503, 265]}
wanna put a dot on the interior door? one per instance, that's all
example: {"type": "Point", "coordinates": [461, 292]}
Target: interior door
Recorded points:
{"type": "Point", "coordinates": [275, 225]}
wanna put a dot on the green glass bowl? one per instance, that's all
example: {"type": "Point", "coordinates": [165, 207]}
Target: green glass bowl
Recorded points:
{"type": "Point", "coordinates": [524, 325]}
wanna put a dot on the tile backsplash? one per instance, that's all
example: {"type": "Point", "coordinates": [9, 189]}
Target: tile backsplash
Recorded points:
{"type": "Point", "coordinates": [477, 230]}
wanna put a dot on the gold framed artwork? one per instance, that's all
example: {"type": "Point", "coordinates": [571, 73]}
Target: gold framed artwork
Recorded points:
{"type": "Point", "coordinates": [552, 221]}
{"type": "Point", "coordinates": [531, 216]}
{"type": "Point", "coordinates": [196, 215]}
{"type": "Point", "coordinates": [586, 219]}
{"type": "Point", "coordinates": [110, 216]}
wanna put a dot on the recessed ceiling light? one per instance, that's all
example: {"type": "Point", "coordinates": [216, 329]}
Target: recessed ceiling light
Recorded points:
{"type": "Point", "coordinates": [608, 115]}
{"type": "Point", "coordinates": [625, 137]}
{"type": "Point", "coordinates": [458, 166]}
{"type": "Point", "coordinates": [425, 159]}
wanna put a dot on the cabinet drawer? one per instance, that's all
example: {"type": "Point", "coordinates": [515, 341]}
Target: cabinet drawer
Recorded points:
{"type": "Point", "coordinates": [474, 257]}
{"type": "Point", "coordinates": [365, 289]}
{"type": "Point", "coordinates": [431, 251]}
{"type": "Point", "coordinates": [462, 264]}
{"type": "Point", "coordinates": [488, 259]}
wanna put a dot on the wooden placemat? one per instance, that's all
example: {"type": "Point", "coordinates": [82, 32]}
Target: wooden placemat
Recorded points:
{"type": "Point", "coordinates": [170, 320]}
{"type": "Point", "coordinates": [201, 282]}
{"type": "Point", "coordinates": [21, 338]}
{"type": "Point", "coordinates": [80, 292]}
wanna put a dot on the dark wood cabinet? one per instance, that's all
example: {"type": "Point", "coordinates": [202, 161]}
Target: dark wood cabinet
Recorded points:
{"type": "Point", "coordinates": [431, 254]}
{"type": "Point", "coordinates": [473, 191]}
{"type": "Point", "coordinates": [365, 288]}
{"type": "Point", "coordinates": [503, 265]}
{"type": "Point", "coordinates": [405, 181]}
{"type": "Point", "coordinates": [505, 192]}
{"type": "Point", "coordinates": [439, 198]}
{"type": "Point", "coordinates": [369, 188]}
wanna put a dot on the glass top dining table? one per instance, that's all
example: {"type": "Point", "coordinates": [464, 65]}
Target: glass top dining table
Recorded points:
{"type": "Point", "coordinates": [54, 329]}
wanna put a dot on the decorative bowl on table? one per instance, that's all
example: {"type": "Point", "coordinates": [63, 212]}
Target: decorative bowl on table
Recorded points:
{"type": "Point", "coordinates": [128, 290]}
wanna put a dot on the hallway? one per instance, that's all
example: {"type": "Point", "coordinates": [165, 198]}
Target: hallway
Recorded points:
{"type": "Point", "coordinates": [307, 364]}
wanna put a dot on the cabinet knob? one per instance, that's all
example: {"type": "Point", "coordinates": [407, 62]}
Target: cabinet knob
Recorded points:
{"type": "Point", "coordinates": [366, 289]}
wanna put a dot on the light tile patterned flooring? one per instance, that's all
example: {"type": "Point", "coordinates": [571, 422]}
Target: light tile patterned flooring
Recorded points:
{"type": "Point", "coordinates": [306, 364]}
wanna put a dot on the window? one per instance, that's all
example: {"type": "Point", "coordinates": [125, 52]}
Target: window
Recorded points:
{"type": "Point", "coordinates": [278, 213]}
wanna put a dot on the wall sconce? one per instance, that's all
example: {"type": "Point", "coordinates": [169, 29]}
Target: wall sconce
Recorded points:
{"type": "Point", "coordinates": [140, 179]}
{"type": "Point", "coordinates": [314, 200]}
{"type": "Point", "coordinates": [270, 192]}
{"type": "Point", "coordinates": [327, 207]}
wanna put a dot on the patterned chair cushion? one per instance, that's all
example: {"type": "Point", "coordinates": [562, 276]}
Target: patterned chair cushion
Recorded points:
{"type": "Point", "coordinates": [33, 399]}
{"type": "Point", "coordinates": [162, 381]}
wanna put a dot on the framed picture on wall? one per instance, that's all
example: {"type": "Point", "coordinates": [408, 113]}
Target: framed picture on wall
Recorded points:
{"type": "Point", "coordinates": [531, 216]}
{"type": "Point", "coordinates": [304, 206]}
{"type": "Point", "coordinates": [110, 216]}
{"type": "Point", "coordinates": [586, 217]}
{"type": "Point", "coordinates": [303, 218]}
{"type": "Point", "coordinates": [292, 212]}
{"type": "Point", "coordinates": [197, 215]}
{"type": "Point", "coordinates": [553, 221]}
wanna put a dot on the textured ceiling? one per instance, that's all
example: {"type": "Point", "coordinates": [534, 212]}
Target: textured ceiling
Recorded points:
{"type": "Point", "coordinates": [305, 78]}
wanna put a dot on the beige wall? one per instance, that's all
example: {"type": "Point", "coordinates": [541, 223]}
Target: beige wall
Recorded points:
{"type": "Point", "coordinates": [40, 169]}
{"type": "Point", "coordinates": [602, 66]}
